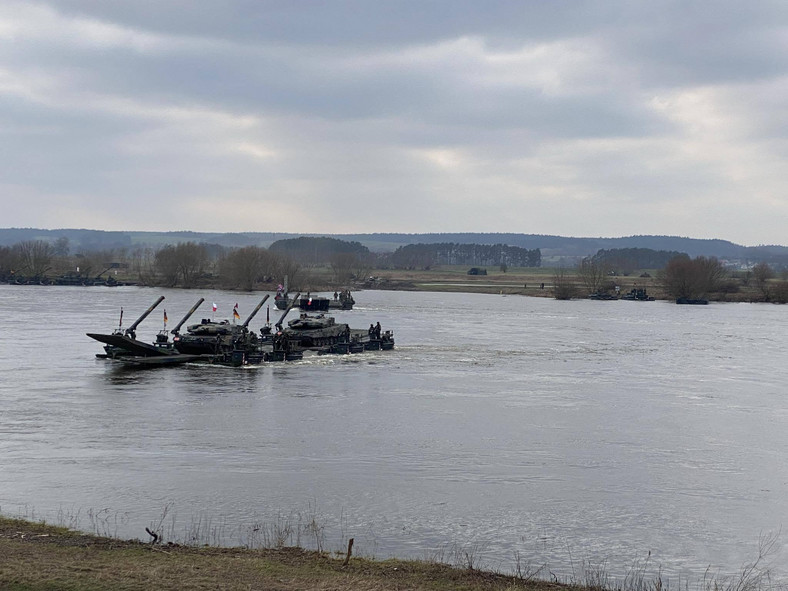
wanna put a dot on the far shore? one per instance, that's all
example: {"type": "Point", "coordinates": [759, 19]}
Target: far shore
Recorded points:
{"type": "Point", "coordinates": [532, 282]}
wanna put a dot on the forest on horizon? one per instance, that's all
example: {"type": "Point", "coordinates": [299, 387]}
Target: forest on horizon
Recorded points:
{"type": "Point", "coordinates": [549, 245]}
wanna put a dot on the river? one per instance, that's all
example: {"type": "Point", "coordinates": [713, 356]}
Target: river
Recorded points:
{"type": "Point", "coordinates": [566, 433]}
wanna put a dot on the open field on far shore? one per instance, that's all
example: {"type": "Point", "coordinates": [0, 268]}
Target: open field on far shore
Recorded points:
{"type": "Point", "coordinates": [35, 556]}
{"type": "Point", "coordinates": [523, 281]}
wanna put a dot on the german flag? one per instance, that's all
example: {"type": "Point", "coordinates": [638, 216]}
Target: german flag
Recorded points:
{"type": "Point", "coordinates": [165, 316]}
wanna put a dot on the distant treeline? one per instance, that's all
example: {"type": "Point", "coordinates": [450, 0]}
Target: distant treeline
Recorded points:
{"type": "Point", "coordinates": [319, 250]}
{"type": "Point", "coordinates": [186, 264]}
{"type": "Point", "coordinates": [384, 243]}
{"type": "Point", "coordinates": [193, 264]}
{"type": "Point", "coordinates": [331, 263]}
{"type": "Point", "coordinates": [426, 255]}
{"type": "Point", "coordinates": [627, 260]}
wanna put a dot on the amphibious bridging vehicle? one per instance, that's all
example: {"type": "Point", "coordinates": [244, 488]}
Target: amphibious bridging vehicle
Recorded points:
{"type": "Point", "coordinates": [227, 343]}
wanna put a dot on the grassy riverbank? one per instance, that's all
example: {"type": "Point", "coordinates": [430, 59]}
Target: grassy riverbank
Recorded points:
{"type": "Point", "coordinates": [35, 556]}
{"type": "Point", "coordinates": [530, 281]}
{"type": "Point", "coordinates": [535, 282]}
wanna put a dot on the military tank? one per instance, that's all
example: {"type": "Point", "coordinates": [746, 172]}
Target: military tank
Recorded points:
{"type": "Point", "coordinates": [323, 334]}
{"type": "Point", "coordinates": [227, 342]}
{"type": "Point", "coordinates": [316, 332]}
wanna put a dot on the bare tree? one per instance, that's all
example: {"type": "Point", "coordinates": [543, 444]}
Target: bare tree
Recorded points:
{"type": "Point", "coordinates": [564, 287]}
{"type": "Point", "coordinates": [182, 263]}
{"type": "Point", "coordinates": [284, 266]}
{"type": "Point", "coordinates": [143, 264]}
{"type": "Point", "coordinates": [192, 261]}
{"type": "Point", "coordinates": [363, 268]}
{"type": "Point", "coordinates": [9, 261]}
{"type": "Point", "coordinates": [35, 257]}
{"type": "Point", "coordinates": [594, 274]}
{"type": "Point", "coordinates": [689, 278]}
{"type": "Point", "coordinates": [166, 264]}
{"type": "Point", "coordinates": [712, 273]}
{"type": "Point", "coordinates": [779, 294]}
{"type": "Point", "coordinates": [342, 264]}
{"type": "Point", "coordinates": [679, 279]}
{"type": "Point", "coordinates": [244, 267]}
{"type": "Point", "coordinates": [762, 272]}
{"type": "Point", "coordinates": [95, 263]}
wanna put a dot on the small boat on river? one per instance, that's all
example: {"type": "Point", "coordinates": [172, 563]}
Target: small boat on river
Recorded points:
{"type": "Point", "coordinates": [342, 301]}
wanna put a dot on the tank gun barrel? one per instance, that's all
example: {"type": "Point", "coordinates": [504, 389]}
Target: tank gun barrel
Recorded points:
{"type": "Point", "coordinates": [255, 311]}
{"type": "Point", "coordinates": [131, 328]}
{"type": "Point", "coordinates": [289, 307]}
{"type": "Point", "coordinates": [104, 271]}
{"type": "Point", "coordinates": [188, 314]}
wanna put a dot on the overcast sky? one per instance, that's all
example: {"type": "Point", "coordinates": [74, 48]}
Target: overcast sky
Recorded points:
{"type": "Point", "coordinates": [551, 117]}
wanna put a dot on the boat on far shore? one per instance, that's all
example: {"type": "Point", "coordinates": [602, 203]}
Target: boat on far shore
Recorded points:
{"type": "Point", "coordinates": [637, 295]}
{"type": "Point", "coordinates": [602, 296]}
{"type": "Point", "coordinates": [692, 301]}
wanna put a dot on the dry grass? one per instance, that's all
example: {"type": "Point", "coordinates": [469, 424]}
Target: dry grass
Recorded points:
{"type": "Point", "coordinates": [528, 281]}
{"type": "Point", "coordinates": [36, 556]}
{"type": "Point", "coordinates": [522, 281]}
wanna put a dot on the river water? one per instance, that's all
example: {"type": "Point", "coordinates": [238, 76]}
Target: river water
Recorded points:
{"type": "Point", "coordinates": [565, 433]}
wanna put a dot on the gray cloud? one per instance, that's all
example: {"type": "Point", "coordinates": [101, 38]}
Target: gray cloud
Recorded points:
{"type": "Point", "coordinates": [584, 118]}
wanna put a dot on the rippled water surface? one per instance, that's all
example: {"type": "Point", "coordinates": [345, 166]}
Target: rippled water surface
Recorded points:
{"type": "Point", "coordinates": [565, 431]}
